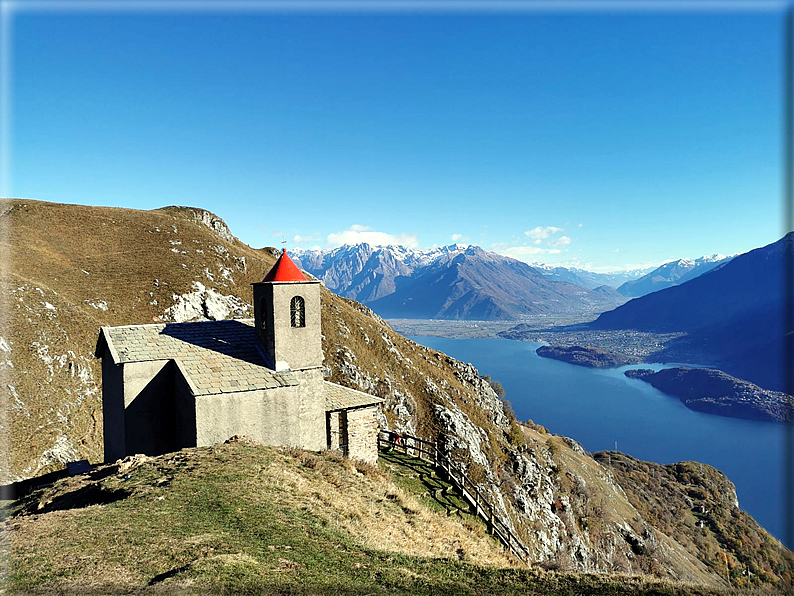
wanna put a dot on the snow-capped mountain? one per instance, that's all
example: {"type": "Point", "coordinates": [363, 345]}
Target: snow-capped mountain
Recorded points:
{"type": "Point", "coordinates": [589, 279]}
{"type": "Point", "coordinates": [672, 274]}
{"type": "Point", "coordinates": [364, 272]}
{"type": "Point", "coordinates": [455, 282]}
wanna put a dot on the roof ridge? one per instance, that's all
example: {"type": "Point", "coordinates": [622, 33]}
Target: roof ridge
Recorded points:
{"type": "Point", "coordinates": [165, 323]}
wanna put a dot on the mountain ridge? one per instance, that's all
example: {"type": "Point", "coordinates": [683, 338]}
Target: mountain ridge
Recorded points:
{"type": "Point", "coordinates": [671, 274]}
{"type": "Point", "coordinates": [451, 282]}
{"type": "Point", "coordinates": [733, 312]}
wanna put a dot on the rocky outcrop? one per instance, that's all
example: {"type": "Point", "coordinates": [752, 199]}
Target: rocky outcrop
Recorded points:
{"type": "Point", "coordinates": [205, 304]}
{"type": "Point", "coordinates": [569, 510]}
{"type": "Point", "coordinates": [715, 392]}
{"type": "Point", "coordinates": [587, 356]}
{"type": "Point", "coordinates": [206, 218]}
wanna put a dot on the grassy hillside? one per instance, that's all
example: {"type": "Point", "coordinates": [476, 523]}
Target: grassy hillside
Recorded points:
{"type": "Point", "coordinates": [72, 269]}
{"type": "Point", "coordinates": [244, 518]}
{"type": "Point", "coordinates": [697, 504]}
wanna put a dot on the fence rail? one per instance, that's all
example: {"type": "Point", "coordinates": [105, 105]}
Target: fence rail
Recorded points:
{"type": "Point", "coordinates": [480, 505]}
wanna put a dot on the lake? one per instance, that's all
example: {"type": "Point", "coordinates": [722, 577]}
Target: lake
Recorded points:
{"type": "Point", "coordinates": [602, 407]}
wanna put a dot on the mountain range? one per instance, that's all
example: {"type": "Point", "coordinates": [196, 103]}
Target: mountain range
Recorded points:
{"type": "Point", "coordinates": [452, 282]}
{"type": "Point", "coordinates": [589, 279]}
{"type": "Point", "coordinates": [467, 282]}
{"type": "Point", "coordinates": [734, 313]}
{"type": "Point", "coordinates": [671, 274]}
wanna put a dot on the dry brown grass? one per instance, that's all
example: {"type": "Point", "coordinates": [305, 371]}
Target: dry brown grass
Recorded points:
{"type": "Point", "coordinates": [244, 518]}
{"type": "Point", "coordinates": [50, 248]}
{"type": "Point", "coordinates": [675, 497]}
{"type": "Point", "coordinates": [90, 546]}
{"type": "Point", "coordinates": [377, 512]}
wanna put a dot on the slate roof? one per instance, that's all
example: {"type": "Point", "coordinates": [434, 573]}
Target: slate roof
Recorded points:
{"type": "Point", "coordinates": [215, 356]}
{"type": "Point", "coordinates": [342, 398]}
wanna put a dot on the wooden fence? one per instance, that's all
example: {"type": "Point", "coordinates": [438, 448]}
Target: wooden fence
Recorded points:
{"type": "Point", "coordinates": [480, 505]}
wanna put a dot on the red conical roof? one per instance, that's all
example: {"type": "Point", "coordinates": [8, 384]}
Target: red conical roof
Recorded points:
{"type": "Point", "coordinates": [285, 270]}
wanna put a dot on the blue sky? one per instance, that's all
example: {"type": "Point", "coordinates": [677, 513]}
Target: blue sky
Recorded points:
{"type": "Point", "coordinates": [602, 139]}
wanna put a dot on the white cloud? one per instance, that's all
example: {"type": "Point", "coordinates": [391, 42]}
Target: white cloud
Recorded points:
{"type": "Point", "coordinates": [580, 225]}
{"type": "Point", "coordinates": [523, 253]}
{"type": "Point", "coordinates": [589, 266]}
{"type": "Point", "coordinates": [561, 241]}
{"type": "Point", "coordinates": [298, 239]}
{"type": "Point", "coordinates": [542, 241]}
{"type": "Point", "coordinates": [617, 250]}
{"type": "Point", "coordinates": [540, 233]}
{"type": "Point", "coordinates": [460, 237]}
{"type": "Point", "coordinates": [357, 234]}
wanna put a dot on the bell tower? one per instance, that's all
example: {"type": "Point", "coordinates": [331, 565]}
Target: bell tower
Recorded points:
{"type": "Point", "coordinates": [287, 317]}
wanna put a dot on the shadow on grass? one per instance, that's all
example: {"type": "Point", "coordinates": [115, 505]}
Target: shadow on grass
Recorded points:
{"type": "Point", "coordinates": [438, 489]}
{"type": "Point", "coordinates": [167, 574]}
{"type": "Point", "coordinates": [77, 499]}
{"type": "Point", "coordinates": [17, 490]}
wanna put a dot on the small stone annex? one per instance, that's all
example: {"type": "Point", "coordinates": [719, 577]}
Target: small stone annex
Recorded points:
{"type": "Point", "coordinates": [175, 385]}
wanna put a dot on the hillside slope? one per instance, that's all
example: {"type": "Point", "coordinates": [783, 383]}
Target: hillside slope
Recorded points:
{"type": "Point", "coordinates": [244, 518]}
{"type": "Point", "coordinates": [734, 314]}
{"type": "Point", "coordinates": [100, 266]}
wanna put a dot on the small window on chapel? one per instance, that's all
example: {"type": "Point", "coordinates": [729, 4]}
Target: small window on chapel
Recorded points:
{"type": "Point", "coordinates": [297, 311]}
{"type": "Point", "coordinates": [262, 311]}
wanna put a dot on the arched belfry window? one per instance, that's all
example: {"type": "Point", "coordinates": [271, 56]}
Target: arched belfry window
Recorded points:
{"type": "Point", "coordinates": [297, 312]}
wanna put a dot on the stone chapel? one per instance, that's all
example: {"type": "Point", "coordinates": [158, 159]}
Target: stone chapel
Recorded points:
{"type": "Point", "coordinates": [175, 385]}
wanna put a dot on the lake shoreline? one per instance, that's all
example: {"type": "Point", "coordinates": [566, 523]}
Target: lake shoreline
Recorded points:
{"type": "Point", "coordinates": [602, 409]}
{"type": "Point", "coordinates": [715, 392]}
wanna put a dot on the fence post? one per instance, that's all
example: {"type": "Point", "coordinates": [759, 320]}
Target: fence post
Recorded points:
{"type": "Point", "coordinates": [446, 468]}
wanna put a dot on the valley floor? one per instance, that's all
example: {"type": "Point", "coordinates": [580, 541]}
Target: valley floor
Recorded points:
{"type": "Point", "coordinates": [562, 331]}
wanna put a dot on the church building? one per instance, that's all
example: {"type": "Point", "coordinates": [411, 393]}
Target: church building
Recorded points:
{"type": "Point", "coordinates": [175, 385]}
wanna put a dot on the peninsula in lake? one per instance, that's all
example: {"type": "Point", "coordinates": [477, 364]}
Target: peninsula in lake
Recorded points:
{"type": "Point", "coordinates": [715, 392]}
{"type": "Point", "coordinates": [588, 356]}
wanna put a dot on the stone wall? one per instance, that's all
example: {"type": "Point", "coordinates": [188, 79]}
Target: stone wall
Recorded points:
{"type": "Point", "coordinates": [149, 416]}
{"type": "Point", "coordinates": [289, 416]}
{"type": "Point", "coordinates": [362, 434]}
{"type": "Point", "coordinates": [288, 347]}
{"type": "Point", "coordinates": [336, 430]}
{"type": "Point", "coordinates": [311, 399]}
{"type": "Point", "coordinates": [113, 410]}
{"type": "Point", "coordinates": [185, 409]}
